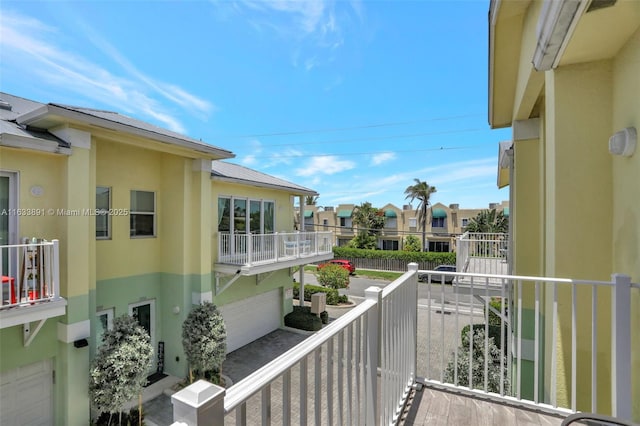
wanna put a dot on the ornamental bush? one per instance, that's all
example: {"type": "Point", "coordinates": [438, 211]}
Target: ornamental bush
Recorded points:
{"type": "Point", "coordinates": [477, 361]}
{"type": "Point", "coordinates": [119, 370]}
{"type": "Point", "coordinates": [302, 319]}
{"type": "Point", "coordinates": [204, 340]}
{"type": "Point", "coordinates": [333, 276]}
{"type": "Point", "coordinates": [333, 297]}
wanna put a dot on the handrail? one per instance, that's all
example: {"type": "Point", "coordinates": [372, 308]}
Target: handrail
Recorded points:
{"type": "Point", "coordinates": [249, 386]}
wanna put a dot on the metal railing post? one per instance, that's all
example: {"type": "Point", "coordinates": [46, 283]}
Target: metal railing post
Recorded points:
{"type": "Point", "coordinates": [621, 347]}
{"type": "Point", "coordinates": [374, 319]}
{"type": "Point", "coordinates": [201, 403]}
{"type": "Point", "coordinates": [414, 267]}
{"type": "Point", "coordinates": [56, 268]}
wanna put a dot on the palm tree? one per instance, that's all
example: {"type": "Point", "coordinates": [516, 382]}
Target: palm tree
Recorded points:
{"type": "Point", "coordinates": [311, 200]}
{"type": "Point", "coordinates": [489, 221]}
{"type": "Point", "coordinates": [421, 191]}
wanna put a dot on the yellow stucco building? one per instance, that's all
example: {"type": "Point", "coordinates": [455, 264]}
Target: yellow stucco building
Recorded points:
{"type": "Point", "coordinates": [565, 75]}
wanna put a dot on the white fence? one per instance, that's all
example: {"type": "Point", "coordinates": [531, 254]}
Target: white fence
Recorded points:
{"type": "Point", "coordinates": [484, 253]}
{"type": "Point", "coordinates": [553, 337]}
{"type": "Point", "coordinates": [30, 272]}
{"type": "Point", "coordinates": [252, 249]}
{"type": "Point", "coordinates": [357, 370]}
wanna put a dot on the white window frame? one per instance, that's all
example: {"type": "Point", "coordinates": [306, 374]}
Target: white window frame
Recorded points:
{"type": "Point", "coordinates": [464, 222]}
{"type": "Point", "coordinates": [154, 214]}
{"type": "Point", "coordinates": [391, 222]}
{"type": "Point", "coordinates": [152, 312]}
{"type": "Point", "coordinates": [248, 201]}
{"type": "Point", "coordinates": [98, 214]}
{"type": "Point", "coordinates": [413, 222]}
{"type": "Point", "coordinates": [109, 314]}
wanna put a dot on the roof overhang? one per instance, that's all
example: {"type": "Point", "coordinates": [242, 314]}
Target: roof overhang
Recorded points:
{"type": "Point", "coordinates": [50, 116]}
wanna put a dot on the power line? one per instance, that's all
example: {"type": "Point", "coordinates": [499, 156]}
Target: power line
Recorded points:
{"type": "Point", "coordinates": [442, 148]}
{"type": "Point", "coordinates": [374, 138]}
{"type": "Point", "coordinates": [340, 129]}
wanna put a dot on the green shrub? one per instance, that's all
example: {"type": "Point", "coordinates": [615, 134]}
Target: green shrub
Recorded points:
{"type": "Point", "coordinates": [477, 364]}
{"type": "Point", "coordinates": [324, 317]}
{"type": "Point", "coordinates": [204, 340]}
{"type": "Point", "coordinates": [432, 258]}
{"type": "Point", "coordinates": [302, 318]}
{"type": "Point", "coordinates": [495, 303]}
{"type": "Point", "coordinates": [333, 276]}
{"type": "Point", "coordinates": [333, 297]}
{"type": "Point", "coordinates": [494, 332]}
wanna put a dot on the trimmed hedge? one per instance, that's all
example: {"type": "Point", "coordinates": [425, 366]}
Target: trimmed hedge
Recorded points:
{"type": "Point", "coordinates": [302, 318]}
{"type": "Point", "coordinates": [404, 256]}
{"type": "Point", "coordinates": [333, 297]}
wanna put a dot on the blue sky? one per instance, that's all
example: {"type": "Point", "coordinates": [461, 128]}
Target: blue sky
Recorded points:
{"type": "Point", "coordinates": [353, 99]}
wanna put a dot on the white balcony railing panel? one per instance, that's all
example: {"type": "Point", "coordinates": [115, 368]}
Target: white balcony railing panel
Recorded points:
{"type": "Point", "coordinates": [30, 273]}
{"type": "Point", "coordinates": [534, 315]}
{"type": "Point", "coordinates": [260, 249]}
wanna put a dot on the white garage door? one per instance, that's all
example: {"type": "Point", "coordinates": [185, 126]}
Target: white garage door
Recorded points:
{"type": "Point", "coordinates": [251, 318]}
{"type": "Point", "coordinates": [27, 395]}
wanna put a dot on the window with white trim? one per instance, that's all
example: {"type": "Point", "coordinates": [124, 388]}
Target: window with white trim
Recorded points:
{"type": "Point", "coordinates": [105, 322]}
{"type": "Point", "coordinates": [142, 214]}
{"type": "Point", "coordinates": [261, 215]}
{"type": "Point", "coordinates": [413, 222]}
{"type": "Point", "coordinates": [103, 219]}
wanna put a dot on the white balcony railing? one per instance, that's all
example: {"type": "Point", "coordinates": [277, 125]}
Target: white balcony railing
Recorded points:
{"type": "Point", "coordinates": [484, 253]}
{"type": "Point", "coordinates": [545, 340]}
{"type": "Point", "coordinates": [255, 249]}
{"type": "Point", "coordinates": [357, 370]}
{"type": "Point", "coordinates": [30, 273]}
{"type": "Point", "coordinates": [545, 331]}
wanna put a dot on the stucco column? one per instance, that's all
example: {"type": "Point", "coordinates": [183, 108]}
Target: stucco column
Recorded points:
{"type": "Point", "coordinates": [77, 267]}
{"type": "Point", "coordinates": [577, 215]}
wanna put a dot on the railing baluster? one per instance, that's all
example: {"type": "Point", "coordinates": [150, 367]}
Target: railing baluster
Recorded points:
{"type": "Point", "coordinates": [536, 344]}
{"type": "Point", "coordinates": [554, 336]}
{"type": "Point", "coordinates": [340, 376]}
{"type": "Point", "coordinates": [519, 344]}
{"type": "Point", "coordinates": [358, 371]}
{"type": "Point", "coordinates": [317, 400]}
{"type": "Point", "coordinates": [303, 391]}
{"type": "Point", "coordinates": [574, 358]}
{"type": "Point", "coordinates": [349, 374]}
{"type": "Point", "coordinates": [329, 362]}
{"type": "Point", "coordinates": [286, 398]}
{"type": "Point", "coordinates": [241, 415]}
{"type": "Point", "coordinates": [486, 335]}
{"type": "Point", "coordinates": [266, 406]}
{"type": "Point", "coordinates": [594, 349]}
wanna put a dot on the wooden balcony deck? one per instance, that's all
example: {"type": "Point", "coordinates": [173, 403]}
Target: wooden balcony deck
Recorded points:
{"type": "Point", "coordinates": [435, 407]}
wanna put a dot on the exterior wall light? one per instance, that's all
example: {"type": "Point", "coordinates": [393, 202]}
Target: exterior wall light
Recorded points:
{"type": "Point", "coordinates": [623, 142]}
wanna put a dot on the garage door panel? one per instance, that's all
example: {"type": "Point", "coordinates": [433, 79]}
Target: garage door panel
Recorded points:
{"type": "Point", "coordinates": [27, 395]}
{"type": "Point", "coordinates": [251, 318]}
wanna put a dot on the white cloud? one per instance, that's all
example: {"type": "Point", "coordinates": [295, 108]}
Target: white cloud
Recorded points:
{"type": "Point", "coordinates": [382, 157]}
{"type": "Point", "coordinates": [327, 165]}
{"type": "Point", "coordinates": [29, 46]}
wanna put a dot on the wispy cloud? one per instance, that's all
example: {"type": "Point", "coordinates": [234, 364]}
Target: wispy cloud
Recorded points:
{"type": "Point", "coordinates": [382, 157]}
{"type": "Point", "coordinates": [327, 165]}
{"type": "Point", "coordinates": [314, 28]}
{"type": "Point", "coordinates": [31, 46]}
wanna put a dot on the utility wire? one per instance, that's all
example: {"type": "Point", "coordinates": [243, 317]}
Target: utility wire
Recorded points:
{"type": "Point", "coordinates": [375, 138]}
{"type": "Point", "coordinates": [340, 129]}
{"type": "Point", "coordinates": [442, 148]}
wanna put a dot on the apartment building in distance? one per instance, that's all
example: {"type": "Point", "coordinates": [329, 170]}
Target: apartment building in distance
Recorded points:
{"type": "Point", "coordinates": [445, 223]}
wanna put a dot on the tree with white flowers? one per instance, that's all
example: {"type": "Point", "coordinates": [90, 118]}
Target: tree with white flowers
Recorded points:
{"type": "Point", "coordinates": [204, 340]}
{"type": "Point", "coordinates": [119, 370]}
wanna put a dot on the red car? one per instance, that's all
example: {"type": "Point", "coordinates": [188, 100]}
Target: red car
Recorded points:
{"type": "Point", "coordinates": [340, 262]}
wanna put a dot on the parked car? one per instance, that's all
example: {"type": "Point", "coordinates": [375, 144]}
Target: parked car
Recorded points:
{"type": "Point", "coordinates": [436, 278]}
{"type": "Point", "coordinates": [340, 262]}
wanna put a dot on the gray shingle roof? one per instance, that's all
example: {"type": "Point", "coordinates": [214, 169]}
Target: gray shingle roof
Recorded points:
{"type": "Point", "coordinates": [134, 123]}
{"type": "Point", "coordinates": [24, 111]}
{"type": "Point", "coordinates": [241, 174]}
